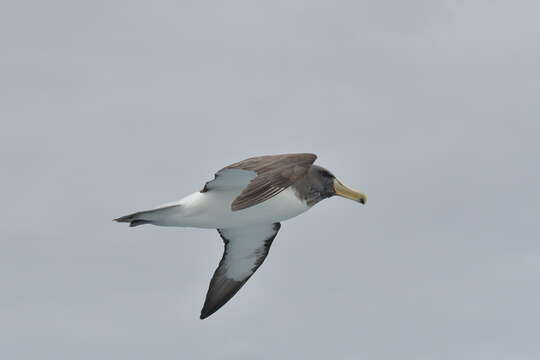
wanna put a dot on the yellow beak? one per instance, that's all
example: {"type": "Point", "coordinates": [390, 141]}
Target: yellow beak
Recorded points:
{"type": "Point", "coordinates": [348, 193]}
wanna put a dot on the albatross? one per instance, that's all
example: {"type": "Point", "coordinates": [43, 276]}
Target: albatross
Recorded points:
{"type": "Point", "coordinates": [246, 202]}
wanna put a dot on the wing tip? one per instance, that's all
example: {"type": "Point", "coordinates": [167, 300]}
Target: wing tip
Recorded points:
{"type": "Point", "coordinates": [204, 315]}
{"type": "Point", "coordinates": [206, 311]}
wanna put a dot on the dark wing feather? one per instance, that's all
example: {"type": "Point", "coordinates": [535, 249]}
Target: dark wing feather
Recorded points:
{"type": "Point", "coordinates": [245, 250]}
{"type": "Point", "coordinates": [275, 173]}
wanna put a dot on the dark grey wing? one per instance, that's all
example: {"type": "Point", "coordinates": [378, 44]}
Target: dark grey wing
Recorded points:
{"type": "Point", "coordinates": [275, 173]}
{"type": "Point", "coordinates": [245, 250]}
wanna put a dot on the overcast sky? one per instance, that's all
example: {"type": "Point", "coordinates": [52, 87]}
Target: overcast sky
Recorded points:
{"type": "Point", "coordinates": [430, 107]}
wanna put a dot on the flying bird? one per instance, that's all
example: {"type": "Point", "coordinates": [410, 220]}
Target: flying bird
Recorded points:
{"type": "Point", "coordinates": [246, 202]}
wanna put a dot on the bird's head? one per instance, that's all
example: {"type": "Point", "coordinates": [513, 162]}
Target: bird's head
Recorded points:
{"type": "Point", "coordinates": [326, 184]}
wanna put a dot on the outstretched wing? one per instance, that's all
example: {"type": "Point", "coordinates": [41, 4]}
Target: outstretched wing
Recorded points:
{"type": "Point", "coordinates": [262, 176]}
{"type": "Point", "coordinates": [245, 250]}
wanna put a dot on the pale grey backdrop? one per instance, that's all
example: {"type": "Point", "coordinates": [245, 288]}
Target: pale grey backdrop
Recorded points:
{"type": "Point", "coordinates": [430, 107]}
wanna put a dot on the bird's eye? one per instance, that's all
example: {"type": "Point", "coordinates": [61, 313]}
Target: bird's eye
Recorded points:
{"type": "Point", "coordinates": [326, 174]}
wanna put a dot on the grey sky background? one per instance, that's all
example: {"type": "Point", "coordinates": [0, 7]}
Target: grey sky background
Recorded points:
{"type": "Point", "coordinates": [430, 107]}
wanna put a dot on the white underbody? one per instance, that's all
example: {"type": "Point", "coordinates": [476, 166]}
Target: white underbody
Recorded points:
{"type": "Point", "coordinates": [212, 209]}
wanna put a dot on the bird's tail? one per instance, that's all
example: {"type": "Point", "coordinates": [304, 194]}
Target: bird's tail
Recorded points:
{"type": "Point", "coordinates": [133, 219]}
{"type": "Point", "coordinates": [147, 216]}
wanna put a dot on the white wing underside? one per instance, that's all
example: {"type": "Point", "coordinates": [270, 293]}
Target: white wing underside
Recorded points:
{"type": "Point", "coordinates": [245, 246]}
{"type": "Point", "coordinates": [245, 250]}
{"type": "Point", "coordinates": [230, 179]}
